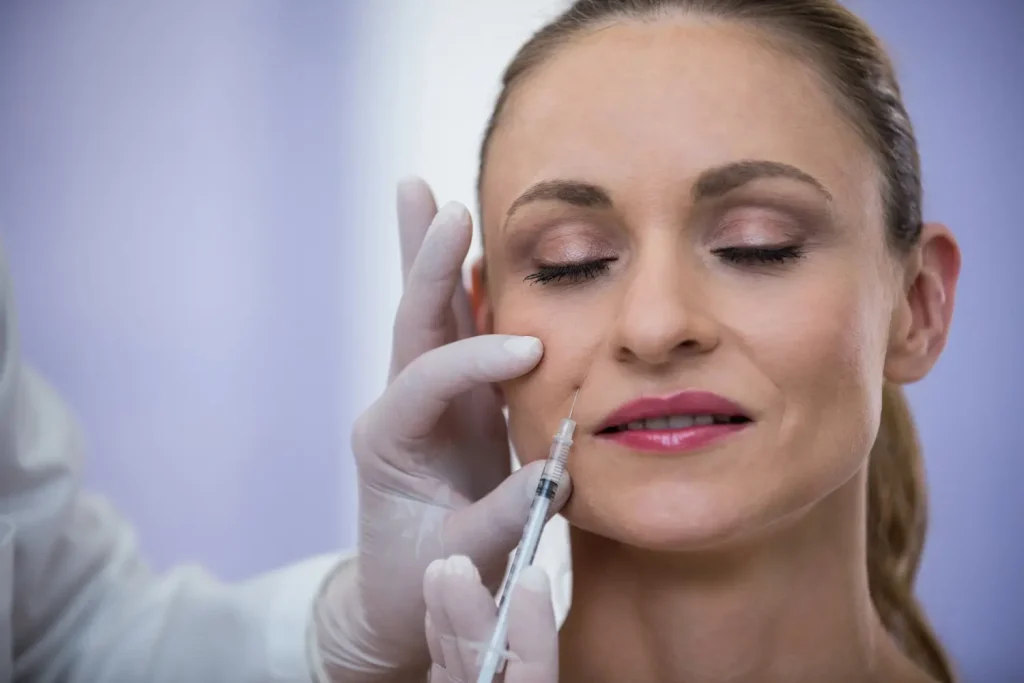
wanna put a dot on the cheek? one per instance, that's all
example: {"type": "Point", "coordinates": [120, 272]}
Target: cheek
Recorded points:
{"type": "Point", "coordinates": [824, 350]}
{"type": "Point", "coordinates": [572, 336]}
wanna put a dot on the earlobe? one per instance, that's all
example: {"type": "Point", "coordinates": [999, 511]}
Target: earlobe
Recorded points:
{"type": "Point", "coordinates": [922, 320]}
{"type": "Point", "coordinates": [482, 314]}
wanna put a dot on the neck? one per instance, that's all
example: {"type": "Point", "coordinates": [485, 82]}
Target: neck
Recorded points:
{"type": "Point", "coordinates": [791, 607]}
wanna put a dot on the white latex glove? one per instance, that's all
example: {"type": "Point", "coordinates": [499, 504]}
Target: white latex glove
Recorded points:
{"type": "Point", "coordinates": [432, 457]}
{"type": "Point", "coordinates": [461, 615]}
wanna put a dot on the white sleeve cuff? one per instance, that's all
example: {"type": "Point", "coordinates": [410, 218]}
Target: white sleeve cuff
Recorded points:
{"type": "Point", "coordinates": [289, 614]}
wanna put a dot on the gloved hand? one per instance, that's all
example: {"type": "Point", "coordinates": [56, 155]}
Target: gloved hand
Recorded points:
{"type": "Point", "coordinates": [461, 615]}
{"type": "Point", "coordinates": [432, 457]}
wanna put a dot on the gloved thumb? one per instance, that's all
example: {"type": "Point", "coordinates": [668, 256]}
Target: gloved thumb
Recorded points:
{"type": "Point", "coordinates": [488, 530]}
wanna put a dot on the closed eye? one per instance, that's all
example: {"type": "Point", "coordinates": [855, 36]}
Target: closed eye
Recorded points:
{"type": "Point", "coordinates": [760, 256]}
{"type": "Point", "coordinates": [569, 273]}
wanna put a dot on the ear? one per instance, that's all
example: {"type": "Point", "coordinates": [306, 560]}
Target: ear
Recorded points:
{"type": "Point", "coordinates": [482, 313]}
{"type": "Point", "coordinates": [922, 317]}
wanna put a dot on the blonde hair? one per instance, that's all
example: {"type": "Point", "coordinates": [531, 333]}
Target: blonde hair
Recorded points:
{"type": "Point", "coordinates": [851, 58]}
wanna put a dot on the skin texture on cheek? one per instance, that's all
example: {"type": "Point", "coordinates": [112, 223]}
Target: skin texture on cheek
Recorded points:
{"type": "Point", "coordinates": [825, 357]}
{"type": "Point", "coordinates": [571, 343]}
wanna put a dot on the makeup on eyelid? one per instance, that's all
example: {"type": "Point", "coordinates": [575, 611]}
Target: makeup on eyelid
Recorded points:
{"type": "Point", "coordinates": [570, 249]}
{"type": "Point", "coordinates": [752, 229]}
{"type": "Point", "coordinates": [756, 229]}
{"type": "Point", "coordinates": [750, 225]}
{"type": "Point", "coordinates": [550, 235]}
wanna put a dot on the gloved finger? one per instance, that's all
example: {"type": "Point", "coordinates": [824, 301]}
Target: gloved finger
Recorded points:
{"type": "Point", "coordinates": [489, 529]}
{"type": "Point", "coordinates": [425, 310]}
{"type": "Point", "coordinates": [433, 636]}
{"type": "Point", "coordinates": [532, 631]}
{"type": "Point", "coordinates": [420, 394]}
{"type": "Point", "coordinates": [433, 596]}
{"type": "Point", "coordinates": [470, 608]}
{"type": "Point", "coordinates": [437, 674]}
{"type": "Point", "coordinates": [416, 209]}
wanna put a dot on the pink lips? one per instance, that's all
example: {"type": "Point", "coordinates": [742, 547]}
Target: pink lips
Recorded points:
{"type": "Point", "coordinates": [730, 418]}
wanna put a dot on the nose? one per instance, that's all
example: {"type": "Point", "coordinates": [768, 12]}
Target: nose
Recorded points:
{"type": "Point", "coordinates": [665, 314]}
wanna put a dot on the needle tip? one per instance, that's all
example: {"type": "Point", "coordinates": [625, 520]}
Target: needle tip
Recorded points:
{"type": "Point", "coordinates": [573, 406]}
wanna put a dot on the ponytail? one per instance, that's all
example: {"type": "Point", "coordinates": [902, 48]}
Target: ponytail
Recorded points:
{"type": "Point", "coordinates": [897, 521]}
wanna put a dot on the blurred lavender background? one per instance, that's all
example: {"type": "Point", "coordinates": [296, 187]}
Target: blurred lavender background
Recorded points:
{"type": "Point", "coordinates": [172, 196]}
{"type": "Point", "coordinates": [195, 198]}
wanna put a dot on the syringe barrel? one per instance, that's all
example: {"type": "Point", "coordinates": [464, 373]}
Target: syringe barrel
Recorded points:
{"type": "Point", "coordinates": [522, 559]}
{"type": "Point", "coordinates": [546, 489]}
{"type": "Point", "coordinates": [557, 458]}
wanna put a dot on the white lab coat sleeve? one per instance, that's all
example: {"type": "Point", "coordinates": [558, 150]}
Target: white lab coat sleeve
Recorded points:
{"type": "Point", "coordinates": [84, 607]}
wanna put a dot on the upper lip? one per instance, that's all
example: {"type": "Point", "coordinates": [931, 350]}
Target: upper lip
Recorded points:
{"type": "Point", "coordinates": [682, 403]}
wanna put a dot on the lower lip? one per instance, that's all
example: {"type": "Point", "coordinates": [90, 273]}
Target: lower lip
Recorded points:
{"type": "Point", "coordinates": [674, 440]}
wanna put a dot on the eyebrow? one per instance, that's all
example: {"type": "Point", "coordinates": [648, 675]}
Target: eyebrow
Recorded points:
{"type": "Point", "coordinates": [713, 182]}
{"type": "Point", "coordinates": [720, 180]}
{"type": "Point", "coordinates": [574, 192]}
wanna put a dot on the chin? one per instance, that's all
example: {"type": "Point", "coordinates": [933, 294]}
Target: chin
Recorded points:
{"type": "Point", "coordinates": [664, 517]}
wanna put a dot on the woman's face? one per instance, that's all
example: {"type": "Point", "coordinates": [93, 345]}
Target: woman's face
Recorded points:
{"type": "Point", "coordinates": [674, 208]}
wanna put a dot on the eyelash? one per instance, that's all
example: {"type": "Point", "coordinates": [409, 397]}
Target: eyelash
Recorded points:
{"type": "Point", "coordinates": [574, 273]}
{"type": "Point", "coordinates": [760, 256]}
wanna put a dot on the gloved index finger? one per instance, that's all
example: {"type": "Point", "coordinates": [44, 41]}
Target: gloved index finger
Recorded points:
{"type": "Point", "coordinates": [417, 398]}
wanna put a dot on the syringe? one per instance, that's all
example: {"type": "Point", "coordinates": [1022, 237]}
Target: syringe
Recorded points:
{"type": "Point", "coordinates": [550, 477]}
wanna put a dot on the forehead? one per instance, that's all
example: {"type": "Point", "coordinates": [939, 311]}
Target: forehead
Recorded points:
{"type": "Point", "coordinates": [644, 106]}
